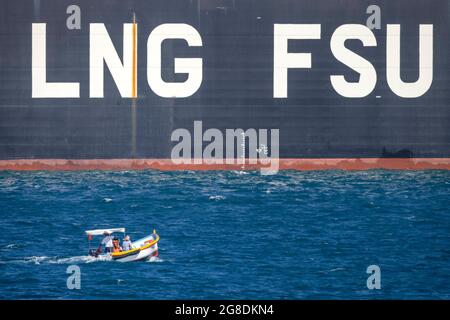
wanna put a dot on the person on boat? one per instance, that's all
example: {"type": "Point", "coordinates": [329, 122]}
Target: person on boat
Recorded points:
{"type": "Point", "coordinates": [116, 245]}
{"type": "Point", "coordinates": [126, 243]}
{"type": "Point", "coordinates": [107, 241]}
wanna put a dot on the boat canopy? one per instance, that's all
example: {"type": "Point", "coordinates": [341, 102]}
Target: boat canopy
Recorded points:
{"type": "Point", "coordinates": [99, 232]}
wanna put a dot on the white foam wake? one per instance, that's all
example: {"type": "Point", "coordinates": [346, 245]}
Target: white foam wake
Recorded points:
{"type": "Point", "coordinates": [154, 259]}
{"type": "Point", "coordinates": [57, 260]}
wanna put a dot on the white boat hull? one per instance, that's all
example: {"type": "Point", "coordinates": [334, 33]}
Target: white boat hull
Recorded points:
{"type": "Point", "coordinates": [144, 254]}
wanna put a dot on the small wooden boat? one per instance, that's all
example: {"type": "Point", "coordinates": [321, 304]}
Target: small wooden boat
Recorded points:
{"type": "Point", "coordinates": [142, 249]}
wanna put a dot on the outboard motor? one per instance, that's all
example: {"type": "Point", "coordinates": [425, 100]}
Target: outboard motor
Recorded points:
{"type": "Point", "coordinates": [93, 253]}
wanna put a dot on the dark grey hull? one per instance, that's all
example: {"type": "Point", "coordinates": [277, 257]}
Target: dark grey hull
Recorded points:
{"type": "Point", "coordinates": [237, 87]}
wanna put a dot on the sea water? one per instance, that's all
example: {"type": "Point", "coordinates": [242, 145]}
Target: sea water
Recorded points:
{"type": "Point", "coordinates": [228, 235]}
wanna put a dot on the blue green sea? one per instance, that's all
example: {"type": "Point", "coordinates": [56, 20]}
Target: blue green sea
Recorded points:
{"type": "Point", "coordinates": [229, 235]}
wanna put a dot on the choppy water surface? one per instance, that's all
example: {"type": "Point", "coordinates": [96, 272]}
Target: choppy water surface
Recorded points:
{"type": "Point", "coordinates": [297, 235]}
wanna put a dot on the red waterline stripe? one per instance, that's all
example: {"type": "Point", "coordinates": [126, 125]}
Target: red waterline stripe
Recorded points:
{"type": "Point", "coordinates": [283, 164]}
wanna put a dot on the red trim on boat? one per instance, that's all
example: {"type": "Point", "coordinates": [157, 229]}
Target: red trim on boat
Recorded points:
{"type": "Point", "coordinates": [283, 164]}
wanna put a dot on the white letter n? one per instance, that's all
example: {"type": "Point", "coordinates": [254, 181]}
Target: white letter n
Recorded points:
{"type": "Point", "coordinates": [102, 49]}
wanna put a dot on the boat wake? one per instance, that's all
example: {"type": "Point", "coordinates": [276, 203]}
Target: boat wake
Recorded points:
{"type": "Point", "coordinates": [80, 259]}
{"type": "Point", "coordinates": [56, 260]}
{"type": "Point", "coordinates": [70, 260]}
{"type": "Point", "coordinates": [154, 259]}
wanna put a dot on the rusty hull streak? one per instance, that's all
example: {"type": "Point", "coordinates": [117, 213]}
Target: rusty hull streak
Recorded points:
{"type": "Point", "coordinates": [284, 164]}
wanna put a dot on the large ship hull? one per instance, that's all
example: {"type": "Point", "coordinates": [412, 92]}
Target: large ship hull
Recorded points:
{"type": "Point", "coordinates": [318, 128]}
